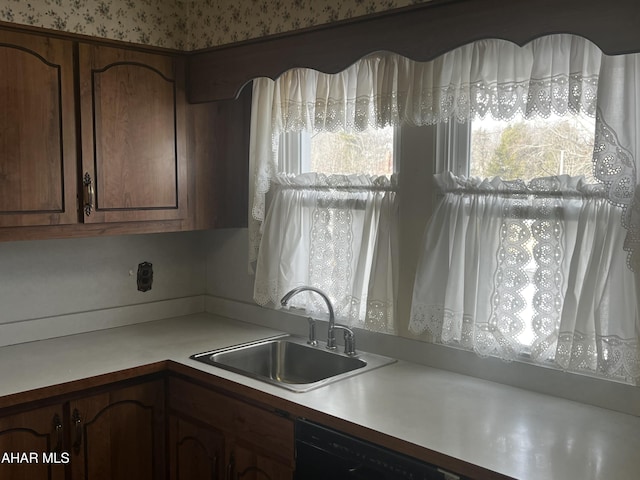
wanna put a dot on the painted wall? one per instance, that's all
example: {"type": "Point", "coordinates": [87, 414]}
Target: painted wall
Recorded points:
{"type": "Point", "coordinates": [186, 24]}
{"type": "Point", "coordinates": [227, 260]}
{"type": "Point", "coordinates": [49, 278]}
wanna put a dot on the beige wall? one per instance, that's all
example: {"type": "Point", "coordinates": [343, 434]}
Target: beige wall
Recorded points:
{"type": "Point", "coordinates": [49, 278]}
{"type": "Point", "coordinates": [227, 261]}
{"type": "Point", "coordinates": [186, 24]}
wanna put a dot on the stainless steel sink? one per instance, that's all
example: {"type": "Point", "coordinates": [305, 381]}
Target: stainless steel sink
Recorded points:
{"type": "Point", "coordinates": [290, 363]}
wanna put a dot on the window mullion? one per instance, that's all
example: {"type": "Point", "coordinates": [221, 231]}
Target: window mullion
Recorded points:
{"type": "Point", "coordinates": [453, 147]}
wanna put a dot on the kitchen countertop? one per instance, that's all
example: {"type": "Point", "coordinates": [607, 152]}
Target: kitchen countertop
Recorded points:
{"type": "Point", "coordinates": [507, 430]}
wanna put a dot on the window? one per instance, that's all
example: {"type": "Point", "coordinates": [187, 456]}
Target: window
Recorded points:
{"type": "Point", "coordinates": [517, 252]}
{"type": "Point", "coordinates": [523, 256]}
{"type": "Point", "coordinates": [330, 225]}
{"type": "Point", "coordinates": [339, 153]}
{"type": "Point", "coordinates": [524, 149]}
{"type": "Point", "coordinates": [530, 148]}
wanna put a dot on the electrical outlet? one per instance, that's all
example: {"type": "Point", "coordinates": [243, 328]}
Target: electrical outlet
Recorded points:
{"type": "Point", "coordinates": [145, 276]}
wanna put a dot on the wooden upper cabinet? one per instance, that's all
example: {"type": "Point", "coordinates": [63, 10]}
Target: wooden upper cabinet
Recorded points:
{"type": "Point", "coordinates": [38, 162]}
{"type": "Point", "coordinates": [132, 128]}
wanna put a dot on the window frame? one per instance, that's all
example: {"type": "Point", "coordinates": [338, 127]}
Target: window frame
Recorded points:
{"type": "Point", "coordinates": [297, 144]}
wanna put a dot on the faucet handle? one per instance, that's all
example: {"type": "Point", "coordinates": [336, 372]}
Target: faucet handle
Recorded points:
{"type": "Point", "coordinates": [349, 343]}
{"type": "Point", "coordinates": [349, 339]}
{"type": "Point", "coordinates": [312, 332]}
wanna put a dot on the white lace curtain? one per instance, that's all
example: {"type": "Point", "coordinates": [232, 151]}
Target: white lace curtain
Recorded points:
{"type": "Point", "coordinates": [554, 74]}
{"type": "Point", "coordinates": [617, 143]}
{"type": "Point", "coordinates": [537, 269]}
{"type": "Point", "coordinates": [335, 233]}
{"type": "Point", "coordinates": [558, 74]}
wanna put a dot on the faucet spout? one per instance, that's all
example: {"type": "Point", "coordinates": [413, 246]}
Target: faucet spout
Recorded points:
{"type": "Point", "coordinates": [331, 338]}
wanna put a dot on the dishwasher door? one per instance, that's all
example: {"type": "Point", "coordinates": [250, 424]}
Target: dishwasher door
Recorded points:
{"type": "Point", "coordinates": [326, 454]}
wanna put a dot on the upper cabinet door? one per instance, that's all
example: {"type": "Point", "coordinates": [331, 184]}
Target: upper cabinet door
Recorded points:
{"type": "Point", "coordinates": [132, 129]}
{"type": "Point", "coordinates": [38, 162]}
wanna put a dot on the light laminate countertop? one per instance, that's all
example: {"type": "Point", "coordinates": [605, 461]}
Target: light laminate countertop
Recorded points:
{"type": "Point", "coordinates": [507, 430]}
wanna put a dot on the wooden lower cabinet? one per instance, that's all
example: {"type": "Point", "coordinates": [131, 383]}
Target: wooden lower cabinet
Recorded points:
{"type": "Point", "coordinates": [255, 443]}
{"type": "Point", "coordinates": [195, 451]}
{"type": "Point", "coordinates": [30, 443]}
{"type": "Point", "coordinates": [247, 463]}
{"type": "Point", "coordinates": [202, 453]}
{"type": "Point", "coordinates": [128, 431]}
{"type": "Point", "coordinates": [119, 434]}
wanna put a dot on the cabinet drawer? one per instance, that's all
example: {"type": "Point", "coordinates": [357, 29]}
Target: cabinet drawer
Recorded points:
{"type": "Point", "coordinates": [266, 431]}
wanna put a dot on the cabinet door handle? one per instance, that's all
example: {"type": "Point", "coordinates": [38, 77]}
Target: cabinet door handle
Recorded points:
{"type": "Point", "coordinates": [214, 468]}
{"type": "Point", "coordinates": [57, 427]}
{"type": "Point", "coordinates": [89, 194]}
{"type": "Point", "coordinates": [231, 467]}
{"type": "Point", "coordinates": [77, 421]}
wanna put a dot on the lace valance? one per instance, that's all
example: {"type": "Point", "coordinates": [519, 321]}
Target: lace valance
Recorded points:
{"type": "Point", "coordinates": [550, 75]}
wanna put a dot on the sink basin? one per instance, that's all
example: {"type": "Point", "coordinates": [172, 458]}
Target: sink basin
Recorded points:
{"type": "Point", "coordinates": [290, 363]}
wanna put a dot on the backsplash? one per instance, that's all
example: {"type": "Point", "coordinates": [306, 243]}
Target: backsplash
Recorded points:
{"type": "Point", "coordinates": [186, 24]}
{"type": "Point", "coordinates": [49, 278]}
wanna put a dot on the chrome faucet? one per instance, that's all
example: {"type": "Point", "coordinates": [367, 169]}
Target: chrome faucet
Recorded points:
{"type": "Point", "coordinates": [349, 335]}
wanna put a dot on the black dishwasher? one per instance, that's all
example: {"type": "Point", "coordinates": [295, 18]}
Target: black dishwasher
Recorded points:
{"type": "Point", "coordinates": [325, 454]}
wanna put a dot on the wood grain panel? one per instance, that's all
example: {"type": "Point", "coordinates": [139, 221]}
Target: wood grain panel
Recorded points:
{"type": "Point", "coordinates": [92, 230]}
{"type": "Point", "coordinates": [196, 452]}
{"type": "Point", "coordinates": [249, 465]}
{"type": "Point", "coordinates": [119, 434]}
{"type": "Point", "coordinates": [243, 421]}
{"type": "Point", "coordinates": [219, 149]}
{"type": "Point", "coordinates": [37, 131]}
{"type": "Point", "coordinates": [133, 138]}
{"type": "Point", "coordinates": [32, 432]}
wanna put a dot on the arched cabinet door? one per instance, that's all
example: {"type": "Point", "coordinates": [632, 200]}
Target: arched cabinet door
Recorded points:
{"type": "Point", "coordinates": [133, 140]}
{"type": "Point", "coordinates": [196, 452]}
{"type": "Point", "coordinates": [119, 435]}
{"type": "Point", "coordinates": [32, 445]}
{"type": "Point", "coordinates": [38, 159]}
{"type": "Point", "coordinates": [248, 463]}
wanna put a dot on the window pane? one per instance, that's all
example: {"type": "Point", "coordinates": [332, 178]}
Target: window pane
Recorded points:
{"type": "Point", "coordinates": [527, 149]}
{"type": "Point", "coordinates": [370, 151]}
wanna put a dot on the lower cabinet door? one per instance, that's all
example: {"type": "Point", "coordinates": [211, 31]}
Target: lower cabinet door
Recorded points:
{"type": "Point", "coordinates": [195, 452]}
{"type": "Point", "coordinates": [31, 445]}
{"type": "Point", "coordinates": [120, 434]}
{"type": "Point", "coordinates": [246, 463]}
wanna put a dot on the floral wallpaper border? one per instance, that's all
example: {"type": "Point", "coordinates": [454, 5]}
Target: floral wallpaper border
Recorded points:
{"type": "Point", "coordinates": [186, 24]}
